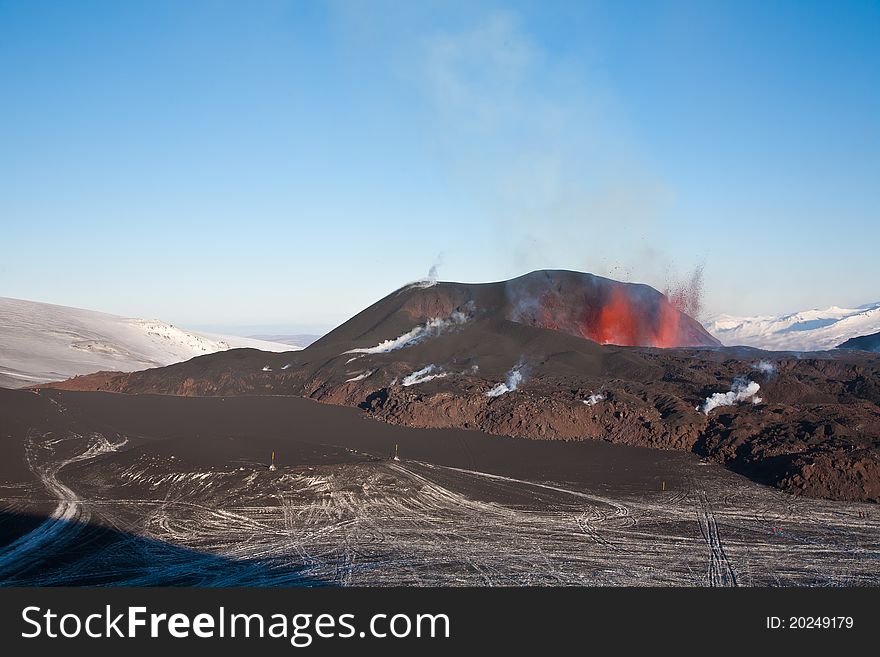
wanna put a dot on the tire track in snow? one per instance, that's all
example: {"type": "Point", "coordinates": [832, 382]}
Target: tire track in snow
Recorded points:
{"type": "Point", "coordinates": [69, 515]}
{"type": "Point", "coordinates": [719, 571]}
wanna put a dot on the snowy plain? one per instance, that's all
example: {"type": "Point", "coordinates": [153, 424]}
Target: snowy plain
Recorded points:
{"type": "Point", "coordinates": [41, 342]}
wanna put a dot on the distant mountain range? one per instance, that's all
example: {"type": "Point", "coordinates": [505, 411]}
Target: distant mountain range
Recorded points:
{"type": "Point", "coordinates": [809, 330]}
{"type": "Point", "coordinates": [41, 342]}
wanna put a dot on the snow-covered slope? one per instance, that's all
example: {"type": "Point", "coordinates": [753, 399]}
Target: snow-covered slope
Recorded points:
{"type": "Point", "coordinates": [810, 330]}
{"type": "Point", "coordinates": [41, 342]}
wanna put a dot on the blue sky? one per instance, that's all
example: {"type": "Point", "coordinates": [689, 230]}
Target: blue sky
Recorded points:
{"type": "Point", "coordinates": [284, 164]}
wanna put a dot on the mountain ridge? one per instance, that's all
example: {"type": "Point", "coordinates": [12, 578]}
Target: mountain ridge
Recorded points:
{"type": "Point", "coordinates": [818, 329]}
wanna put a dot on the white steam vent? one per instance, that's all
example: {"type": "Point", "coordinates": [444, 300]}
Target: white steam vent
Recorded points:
{"type": "Point", "coordinates": [741, 390]}
{"type": "Point", "coordinates": [515, 378]}
{"type": "Point", "coordinates": [424, 374]}
{"type": "Point", "coordinates": [431, 328]}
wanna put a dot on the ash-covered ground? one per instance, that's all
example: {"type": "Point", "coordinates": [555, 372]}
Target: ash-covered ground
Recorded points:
{"type": "Point", "coordinates": [558, 428]}
{"type": "Point", "coordinates": [152, 490]}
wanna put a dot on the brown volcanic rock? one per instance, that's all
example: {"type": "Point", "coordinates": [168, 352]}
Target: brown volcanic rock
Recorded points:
{"type": "Point", "coordinates": [837, 474]}
{"type": "Point", "coordinates": [821, 450]}
{"type": "Point", "coordinates": [97, 381]}
{"type": "Point", "coordinates": [542, 411]}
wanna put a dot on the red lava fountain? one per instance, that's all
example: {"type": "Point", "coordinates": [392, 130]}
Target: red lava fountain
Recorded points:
{"type": "Point", "coordinates": [617, 322]}
{"type": "Point", "coordinates": [616, 317]}
{"type": "Point", "coordinates": [622, 322]}
{"type": "Point", "coordinates": [604, 310]}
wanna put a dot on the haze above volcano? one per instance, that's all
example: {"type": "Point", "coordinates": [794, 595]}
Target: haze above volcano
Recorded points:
{"type": "Point", "coordinates": [294, 165]}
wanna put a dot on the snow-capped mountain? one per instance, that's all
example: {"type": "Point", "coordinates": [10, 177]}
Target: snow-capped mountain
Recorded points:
{"type": "Point", "coordinates": [810, 330]}
{"type": "Point", "coordinates": [42, 342]}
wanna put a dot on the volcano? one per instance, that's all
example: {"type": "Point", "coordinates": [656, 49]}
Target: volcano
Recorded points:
{"type": "Point", "coordinates": [561, 355]}
{"type": "Point", "coordinates": [599, 309]}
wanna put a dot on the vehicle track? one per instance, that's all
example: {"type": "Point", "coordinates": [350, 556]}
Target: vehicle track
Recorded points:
{"type": "Point", "coordinates": [70, 514]}
{"type": "Point", "coordinates": [719, 571]}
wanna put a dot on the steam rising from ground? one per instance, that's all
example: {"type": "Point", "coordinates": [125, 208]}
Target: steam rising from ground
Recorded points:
{"type": "Point", "coordinates": [431, 328]}
{"type": "Point", "coordinates": [424, 374]}
{"type": "Point", "coordinates": [425, 282]}
{"type": "Point", "coordinates": [431, 279]}
{"type": "Point", "coordinates": [515, 377]}
{"type": "Point", "coordinates": [360, 377]}
{"type": "Point", "coordinates": [765, 367]}
{"type": "Point", "coordinates": [741, 390]}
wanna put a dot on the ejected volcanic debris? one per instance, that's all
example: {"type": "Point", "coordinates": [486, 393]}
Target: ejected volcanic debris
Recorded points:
{"type": "Point", "coordinates": [602, 310]}
{"type": "Point", "coordinates": [519, 358]}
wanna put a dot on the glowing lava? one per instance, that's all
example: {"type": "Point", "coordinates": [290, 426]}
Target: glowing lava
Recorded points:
{"type": "Point", "coordinates": [617, 314]}
{"type": "Point", "coordinates": [617, 324]}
